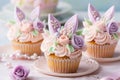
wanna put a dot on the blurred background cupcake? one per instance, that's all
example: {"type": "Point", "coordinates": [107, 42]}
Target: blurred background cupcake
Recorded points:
{"type": "Point", "coordinates": [46, 6]}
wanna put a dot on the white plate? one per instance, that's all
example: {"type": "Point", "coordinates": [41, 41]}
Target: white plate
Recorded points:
{"type": "Point", "coordinates": [116, 56]}
{"type": "Point", "coordinates": [87, 66]}
{"type": "Point", "coordinates": [62, 8]}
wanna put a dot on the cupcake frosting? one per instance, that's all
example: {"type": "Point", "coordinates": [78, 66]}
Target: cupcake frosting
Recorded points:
{"type": "Point", "coordinates": [62, 41]}
{"type": "Point", "coordinates": [25, 30]}
{"type": "Point", "coordinates": [100, 29]}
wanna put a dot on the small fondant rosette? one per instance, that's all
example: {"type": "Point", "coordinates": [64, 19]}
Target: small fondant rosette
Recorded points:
{"type": "Point", "coordinates": [101, 33]}
{"type": "Point", "coordinates": [25, 34]}
{"type": "Point", "coordinates": [62, 46]}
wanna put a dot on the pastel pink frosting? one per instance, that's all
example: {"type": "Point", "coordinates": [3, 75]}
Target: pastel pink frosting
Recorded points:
{"type": "Point", "coordinates": [23, 32]}
{"type": "Point", "coordinates": [96, 32]}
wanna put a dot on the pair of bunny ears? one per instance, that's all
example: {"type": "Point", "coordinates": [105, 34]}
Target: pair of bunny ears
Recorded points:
{"type": "Point", "coordinates": [20, 15]}
{"type": "Point", "coordinates": [94, 15]}
{"type": "Point", "coordinates": [70, 26]}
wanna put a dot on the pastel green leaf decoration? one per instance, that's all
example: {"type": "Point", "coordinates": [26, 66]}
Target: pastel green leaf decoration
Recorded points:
{"type": "Point", "coordinates": [70, 48]}
{"type": "Point", "coordinates": [70, 35]}
{"type": "Point", "coordinates": [88, 21]}
{"type": "Point", "coordinates": [115, 36]}
{"type": "Point", "coordinates": [61, 28]}
{"type": "Point", "coordinates": [45, 30]}
{"type": "Point", "coordinates": [79, 32]}
{"type": "Point", "coordinates": [18, 33]}
{"type": "Point", "coordinates": [51, 49]}
{"type": "Point", "coordinates": [35, 32]}
{"type": "Point", "coordinates": [85, 31]}
{"type": "Point", "coordinates": [56, 43]}
{"type": "Point", "coordinates": [12, 22]}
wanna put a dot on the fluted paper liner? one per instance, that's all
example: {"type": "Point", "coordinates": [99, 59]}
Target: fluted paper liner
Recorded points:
{"type": "Point", "coordinates": [27, 48]}
{"type": "Point", "coordinates": [101, 51]}
{"type": "Point", "coordinates": [61, 65]}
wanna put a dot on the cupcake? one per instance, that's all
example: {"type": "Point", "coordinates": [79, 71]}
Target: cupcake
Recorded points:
{"type": "Point", "coordinates": [46, 6]}
{"type": "Point", "coordinates": [101, 33]}
{"type": "Point", "coordinates": [62, 46]}
{"type": "Point", "coordinates": [24, 4]}
{"type": "Point", "coordinates": [26, 33]}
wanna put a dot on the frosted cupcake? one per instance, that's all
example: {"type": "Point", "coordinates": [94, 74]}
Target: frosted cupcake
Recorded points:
{"type": "Point", "coordinates": [62, 46]}
{"type": "Point", "coordinates": [25, 34]}
{"type": "Point", "coordinates": [101, 33]}
{"type": "Point", "coordinates": [24, 4]}
{"type": "Point", "coordinates": [46, 6]}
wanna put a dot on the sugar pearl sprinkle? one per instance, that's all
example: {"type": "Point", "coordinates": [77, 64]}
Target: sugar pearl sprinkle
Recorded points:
{"type": "Point", "coordinates": [18, 55]}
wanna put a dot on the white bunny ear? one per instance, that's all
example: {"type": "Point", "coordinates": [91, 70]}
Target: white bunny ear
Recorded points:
{"type": "Point", "coordinates": [53, 24]}
{"type": "Point", "coordinates": [19, 15]}
{"type": "Point", "coordinates": [93, 14]}
{"type": "Point", "coordinates": [109, 13]}
{"type": "Point", "coordinates": [71, 25]}
{"type": "Point", "coordinates": [35, 13]}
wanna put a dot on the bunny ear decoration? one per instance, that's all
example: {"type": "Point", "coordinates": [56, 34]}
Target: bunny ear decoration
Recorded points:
{"type": "Point", "coordinates": [53, 24]}
{"type": "Point", "coordinates": [35, 13]}
{"type": "Point", "coordinates": [19, 15]}
{"type": "Point", "coordinates": [93, 14]}
{"type": "Point", "coordinates": [109, 13]}
{"type": "Point", "coordinates": [71, 25]}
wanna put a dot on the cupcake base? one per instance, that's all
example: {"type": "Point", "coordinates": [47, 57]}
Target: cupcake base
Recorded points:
{"type": "Point", "coordinates": [63, 64]}
{"type": "Point", "coordinates": [100, 51]}
{"type": "Point", "coordinates": [27, 48]}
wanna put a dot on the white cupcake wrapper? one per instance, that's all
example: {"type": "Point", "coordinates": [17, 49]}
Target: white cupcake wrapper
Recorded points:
{"type": "Point", "coordinates": [100, 51]}
{"type": "Point", "coordinates": [27, 48]}
{"type": "Point", "coordinates": [61, 65]}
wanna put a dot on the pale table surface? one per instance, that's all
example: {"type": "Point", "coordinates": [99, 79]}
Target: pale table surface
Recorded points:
{"type": "Point", "coordinates": [105, 68]}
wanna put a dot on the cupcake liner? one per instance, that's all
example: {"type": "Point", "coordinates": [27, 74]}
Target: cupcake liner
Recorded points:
{"type": "Point", "coordinates": [101, 51]}
{"type": "Point", "coordinates": [27, 48]}
{"type": "Point", "coordinates": [63, 65]}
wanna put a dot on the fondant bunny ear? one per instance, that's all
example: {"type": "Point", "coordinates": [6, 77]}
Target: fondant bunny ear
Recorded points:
{"type": "Point", "coordinates": [109, 13]}
{"type": "Point", "coordinates": [35, 13]}
{"type": "Point", "coordinates": [53, 24]}
{"type": "Point", "coordinates": [93, 14]}
{"type": "Point", "coordinates": [72, 24]}
{"type": "Point", "coordinates": [19, 15]}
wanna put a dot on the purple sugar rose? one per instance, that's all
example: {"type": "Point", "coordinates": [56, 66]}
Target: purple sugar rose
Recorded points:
{"type": "Point", "coordinates": [35, 13]}
{"type": "Point", "coordinates": [71, 25]}
{"type": "Point", "coordinates": [20, 73]}
{"type": "Point", "coordinates": [38, 25]}
{"type": "Point", "coordinates": [19, 15]}
{"type": "Point", "coordinates": [112, 27]}
{"type": "Point", "coordinates": [77, 41]}
{"type": "Point", "coordinates": [93, 14]}
{"type": "Point", "coordinates": [54, 24]}
{"type": "Point", "coordinates": [109, 13]}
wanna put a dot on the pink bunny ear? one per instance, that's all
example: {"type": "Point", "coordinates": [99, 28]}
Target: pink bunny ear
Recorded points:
{"type": "Point", "coordinates": [35, 13]}
{"type": "Point", "coordinates": [71, 25]}
{"type": "Point", "coordinates": [53, 24]}
{"type": "Point", "coordinates": [109, 13]}
{"type": "Point", "coordinates": [19, 15]}
{"type": "Point", "coordinates": [93, 14]}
